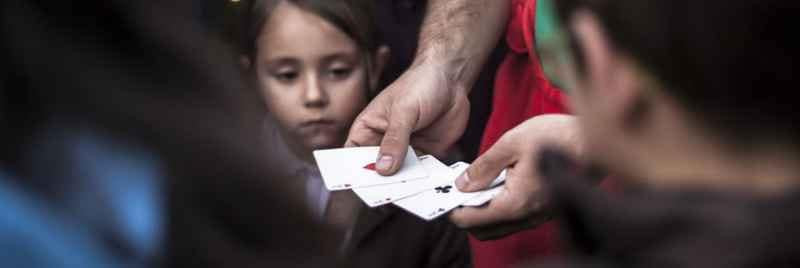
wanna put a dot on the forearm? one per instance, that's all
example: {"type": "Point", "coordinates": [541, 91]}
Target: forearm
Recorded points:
{"type": "Point", "coordinates": [459, 36]}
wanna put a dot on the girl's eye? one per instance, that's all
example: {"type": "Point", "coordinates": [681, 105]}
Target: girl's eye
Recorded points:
{"type": "Point", "coordinates": [285, 76]}
{"type": "Point", "coordinates": [340, 72]}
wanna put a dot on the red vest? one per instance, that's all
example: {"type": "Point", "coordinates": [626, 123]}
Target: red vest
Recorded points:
{"type": "Point", "coordinates": [521, 91]}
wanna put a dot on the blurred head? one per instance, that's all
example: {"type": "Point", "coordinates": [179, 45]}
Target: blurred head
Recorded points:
{"type": "Point", "coordinates": [316, 62]}
{"type": "Point", "coordinates": [148, 76]}
{"type": "Point", "coordinates": [659, 84]}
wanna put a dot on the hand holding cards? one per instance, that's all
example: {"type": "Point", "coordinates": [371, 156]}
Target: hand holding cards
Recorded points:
{"type": "Point", "coordinates": [423, 186]}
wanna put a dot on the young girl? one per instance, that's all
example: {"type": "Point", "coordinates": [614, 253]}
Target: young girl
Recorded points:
{"type": "Point", "coordinates": [317, 63]}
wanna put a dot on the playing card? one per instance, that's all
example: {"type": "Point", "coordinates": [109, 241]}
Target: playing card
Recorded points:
{"type": "Point", "coordinates": [484, 197]}
{"type": "Point", "coordinates": [347, 168]}
{"type": "Point", "coordinates": [495, 188]}
{"type": "Point", "coordinates": [432, 165]}
{"type": "Point", "coordinates": [386, 193]}
{"type": "Point", "coordinates": [439, 200]}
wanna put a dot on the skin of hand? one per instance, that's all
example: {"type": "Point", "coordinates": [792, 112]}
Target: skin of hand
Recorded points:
{"type": "Point", "coordinates": [522, 204]}
{"type": "Point", "coordinates": [421, 102]}
{"type": "Point", "coordinates": [427, 107]}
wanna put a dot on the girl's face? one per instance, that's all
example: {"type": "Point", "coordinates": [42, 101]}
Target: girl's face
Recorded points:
{"type": "Point", "coordinates": [312, 75]}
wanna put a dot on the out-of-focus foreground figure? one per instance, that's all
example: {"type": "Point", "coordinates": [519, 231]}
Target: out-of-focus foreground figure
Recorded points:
{"type": "Point", "coordinates": [127, 141]}
{"type": "Point", "coordinates": [689, 104]}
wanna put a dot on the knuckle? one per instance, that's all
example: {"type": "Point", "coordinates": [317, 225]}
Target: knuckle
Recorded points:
{"type": "Point", "coordinates": [480, 170]}
{"type": "Point", "coordinates": [392, 141]}
{"type": "Point", "coordinates": [475, 170]}
{"type": "Point", "coordinates": [517, 208]}
{"type": "Point", "coordinates": [391, 138]}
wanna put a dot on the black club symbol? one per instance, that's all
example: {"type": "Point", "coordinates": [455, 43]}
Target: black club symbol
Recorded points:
{"type": "Point", "coordinates": [443, 189]}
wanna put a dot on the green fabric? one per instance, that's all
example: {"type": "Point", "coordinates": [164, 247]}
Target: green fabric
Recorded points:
{"type": "Point", "coordinates": [552, 45]}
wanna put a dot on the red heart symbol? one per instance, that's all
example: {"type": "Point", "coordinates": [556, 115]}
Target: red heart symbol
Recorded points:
{"type": "Point", "coordinates": [370, 166]}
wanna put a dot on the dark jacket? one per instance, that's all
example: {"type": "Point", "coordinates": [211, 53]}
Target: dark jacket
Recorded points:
{"type": "Point", "coordinates": [387, 236]}
{"type": "Point", "coordinates": [682, 228]}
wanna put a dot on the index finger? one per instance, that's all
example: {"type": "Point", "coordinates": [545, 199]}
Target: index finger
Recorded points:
{"type": "Point", "coordinates": [487, 167]}
{"type": "Point", "coordinates": [365, 131]}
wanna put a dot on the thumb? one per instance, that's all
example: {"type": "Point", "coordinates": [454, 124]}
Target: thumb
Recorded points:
{"type": "Point", "coordinates": [394, 144]}
{"type": "Point", "coordinates": [486, 168]}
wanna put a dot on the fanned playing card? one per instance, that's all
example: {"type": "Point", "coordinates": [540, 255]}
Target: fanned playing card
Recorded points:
{"type": "Point", "coordinates": [441, 199]}
{"type": "Point", "coordinates": [444, 198]}
{"type": "Point", "coordinates": [383, 194]}
{"type": "Point", "coordinates": [347, 168]}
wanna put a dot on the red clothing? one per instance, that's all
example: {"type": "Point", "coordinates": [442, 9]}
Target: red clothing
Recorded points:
{"type": "Point", "coordinates": [521, 91]}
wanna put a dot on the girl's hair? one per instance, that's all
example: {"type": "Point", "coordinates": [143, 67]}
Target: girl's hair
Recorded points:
{"type": "Point", "coordinates": [356, 18]}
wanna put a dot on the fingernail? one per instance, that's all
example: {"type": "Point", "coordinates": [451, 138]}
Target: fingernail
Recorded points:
{"type": "Point", "coordinates": [384, 163]}
{"type": "Point", "coordinates": [462, 182]}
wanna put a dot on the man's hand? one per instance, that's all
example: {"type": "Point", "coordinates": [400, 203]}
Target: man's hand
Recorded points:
{"type": "Point", "coordinates": [422, 101]}
{"type": "Point", "coordinates": [521, 205]}
{"type": "Point", "coordinates": [427, 106]}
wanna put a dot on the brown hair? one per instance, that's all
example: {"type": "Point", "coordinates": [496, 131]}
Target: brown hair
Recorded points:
{"type": "Point", "coordinates": [356, 18]}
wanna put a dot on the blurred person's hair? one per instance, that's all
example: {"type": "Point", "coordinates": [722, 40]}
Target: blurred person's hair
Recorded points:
{"type": "Point", "coordinates": [733, 64]}
{"type": "Point", "coordinates": [148, 75]}
{"type": "Point", "coordinates": [356, 18]}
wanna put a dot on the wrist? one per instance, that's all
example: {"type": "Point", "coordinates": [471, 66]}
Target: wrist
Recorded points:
{"type": "Point", "coordinates": [457, 72]}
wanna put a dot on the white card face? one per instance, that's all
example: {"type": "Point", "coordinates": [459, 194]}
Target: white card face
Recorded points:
{"type": "Point", "coordinates": [500, 179]}
{"type": "Point", "coordinates": [433, 203]}
{"type": "Point", "coordinates": [433, 165]}
{"type": "Point", "coordinates": [386, 193]}
{"type": "Point", "coordinates": [489, 194]}
{"type": "Point", "coordinates": [484, 197]}
{"type": "Point", "coordinates": [347, 168]}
